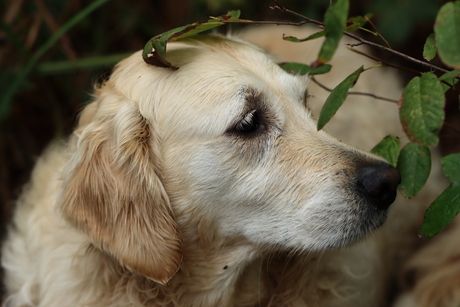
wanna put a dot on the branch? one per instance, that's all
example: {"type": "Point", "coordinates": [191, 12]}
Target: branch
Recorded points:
{"type": "Point", "coordinates": [354, 93]}
{"type": "Point", "coordinates": [361, 40]}
{"type": "Point", "coordinates": [261, 22]}
{"type": "Point", "coordinates": [383, 62]}
{"type": "Point", "coordinates": [452, 128]}
{"type": "Point", "coordinates": [378, 32]}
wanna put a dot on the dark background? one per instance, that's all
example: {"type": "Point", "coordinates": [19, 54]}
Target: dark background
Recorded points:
{"type": "Point", "coordinates": [46, 105]}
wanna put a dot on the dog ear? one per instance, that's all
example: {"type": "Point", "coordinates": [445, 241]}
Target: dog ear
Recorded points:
{"type": "Point", "coordinates": [112, 190]}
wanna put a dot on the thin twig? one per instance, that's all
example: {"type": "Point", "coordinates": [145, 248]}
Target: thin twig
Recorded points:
{"type": "Point", "coordinates": [361, 40]}
{"type": "Point", "coordinates": [451, 127]}
{"type": "Point", "coordinates": [283, 9]}
{"type": "Point", "coordinates": [353, 93]}
{"type": "Point", "coordinates": [378, 32]}
{"type": "Point", "coordinates": [261, 22]}
{"type": "Point", "coordinates": [383, 62]}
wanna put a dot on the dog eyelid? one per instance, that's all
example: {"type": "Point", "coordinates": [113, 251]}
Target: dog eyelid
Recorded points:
{"type": "Point", "coordinates": [249, 123]}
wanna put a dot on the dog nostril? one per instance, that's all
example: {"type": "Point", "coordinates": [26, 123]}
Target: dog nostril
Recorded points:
{"type": "Point", "coordinates": [379, 183]}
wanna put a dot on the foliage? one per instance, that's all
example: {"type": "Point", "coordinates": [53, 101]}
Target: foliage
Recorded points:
{"type": "Point", "coordinates": [388, 148]}
{"type": "Point", "coordinates": [447, 205]}
{"type": "Point", "coordinates": [337, 97]}
{"type": "Point", "coordinates": [155, 49]}
{"type": "Point", "coordinates": [446, 28]}
{"type": "Point", "coordinates": [421, 109]}
{"type": "Point", "coordinates": [414, 163]}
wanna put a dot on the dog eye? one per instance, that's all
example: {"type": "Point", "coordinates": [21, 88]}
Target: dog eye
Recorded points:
{"type": "Point", "coordinates": [249, 124]}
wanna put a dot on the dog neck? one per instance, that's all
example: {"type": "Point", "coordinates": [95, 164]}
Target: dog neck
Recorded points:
{"type": "Point", "coordinates": [211, 272]}
{"type": "Point", "coordinates": [236, 274]}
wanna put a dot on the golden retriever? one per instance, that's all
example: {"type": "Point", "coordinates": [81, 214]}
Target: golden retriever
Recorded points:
{"type": "Point", "coordinates": [204, 186]}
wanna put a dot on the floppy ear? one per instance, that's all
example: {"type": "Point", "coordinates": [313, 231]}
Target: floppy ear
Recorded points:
{"type": "Point", "coordinates": [112, 190]}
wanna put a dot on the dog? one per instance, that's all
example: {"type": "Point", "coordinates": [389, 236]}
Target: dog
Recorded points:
{"type": "Point", "coordinates": [203, 186]}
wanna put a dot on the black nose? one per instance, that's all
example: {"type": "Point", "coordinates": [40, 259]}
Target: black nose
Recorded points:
{"type": "Point", "coordinates": [378, 183]}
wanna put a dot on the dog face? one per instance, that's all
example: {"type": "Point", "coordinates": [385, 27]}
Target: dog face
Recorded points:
{"type": "Point", "coordinates": [226, 141]}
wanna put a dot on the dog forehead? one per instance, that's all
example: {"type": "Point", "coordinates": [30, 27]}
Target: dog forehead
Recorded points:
{"type": "Point", "coordinates": [208, 88]}
{"type": "Point", "coordinates": [232, 58]}
{"type": "Point", "coordinates": [246, 63]}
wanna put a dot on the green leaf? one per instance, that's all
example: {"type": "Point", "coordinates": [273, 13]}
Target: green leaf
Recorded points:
{"type": "Point", "coordinates": [442, 211]}
{"type": "Point", "coordinates": [447, 29]}
{"type": "Point", "coordinates": [451, 167]}
{"type": "Point", "coordinates": [421, 109]}
{"type": "Point", "coordinates": [303, 69]}
{"type": "Point", "coordinates": [450, 75]}
{"type": "Point", "coordinates": [388, 149]}
{"type": "Point", "coordinates": [231, 15]}
{"type": "Point", "coordinates": [429, 49]}
{"type": "Point", "coordinates": [414, 164]}
{"type": "Point", "coordinates": [296, 68]}
{"type": "Point", "coordinates": [449, 79]}
{"type": "Point", "coordinates": [337, 97]}
{"type": "Point", "coordinates": [355, 23]}
{"type": "Point", "coordinates": [155, 49]}
{"type": "Point", "coordinates": [334, 22]}
{"type": "Point", "coordinates": [300, 40]}
{"type": "Point", "coordinates": [325, 68]}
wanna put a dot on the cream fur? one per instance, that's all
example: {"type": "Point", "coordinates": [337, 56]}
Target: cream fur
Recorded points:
{"type": "Point", "coordinates": [153, 201]}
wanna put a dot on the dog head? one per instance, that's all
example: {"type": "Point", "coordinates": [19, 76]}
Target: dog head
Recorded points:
{"type": "Point", "coordinates": [224, 140]}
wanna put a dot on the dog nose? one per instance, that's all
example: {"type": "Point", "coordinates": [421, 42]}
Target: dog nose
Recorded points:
{"type": "Point", "coordinates": [379, 182]}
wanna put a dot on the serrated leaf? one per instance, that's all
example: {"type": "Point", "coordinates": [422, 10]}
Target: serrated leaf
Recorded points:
{"type": "Point", "coordinates": [442, 211]}
{"type": "Point", "coordinates": [388, 149]}
{"type": "Point", "coordinates": [155, 49]}
{"type": "Point", "coordinates": [451, 167]}
{"type": "Point", "coordinates": [447, 29]}
{"type": "Point", "coordinates": [414, 164]}
{"type": "Point", "coordinates": [429, 49]}
{"type": "Point", "coordinates": [337, 97]}
{"type": "Point", "coordinates": [300, 40]}
{"type": "Point", "coordinates": [421, 109]}
{"type": "Point", "coordinates": [334, 22]}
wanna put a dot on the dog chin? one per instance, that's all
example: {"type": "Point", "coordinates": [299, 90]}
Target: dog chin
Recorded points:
{"type": "Point", "coordinates": [349, 232]}
{"type": "Point", "coordinates": [353, 233]}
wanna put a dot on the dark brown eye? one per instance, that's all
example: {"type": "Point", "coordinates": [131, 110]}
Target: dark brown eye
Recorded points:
{"type": "Point", "coordinates": [249, 124]}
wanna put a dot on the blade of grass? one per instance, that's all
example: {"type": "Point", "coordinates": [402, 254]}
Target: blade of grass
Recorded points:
{"type": "Point", "coordinates": [6, 99]}
{"type": "Point", "coordinates": [62, 67]}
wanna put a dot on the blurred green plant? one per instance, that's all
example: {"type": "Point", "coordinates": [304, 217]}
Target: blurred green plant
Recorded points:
{"type": "Point", "coordinates": [405, 14]}
{"type": "Point", "coordinates": [7, 95]}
